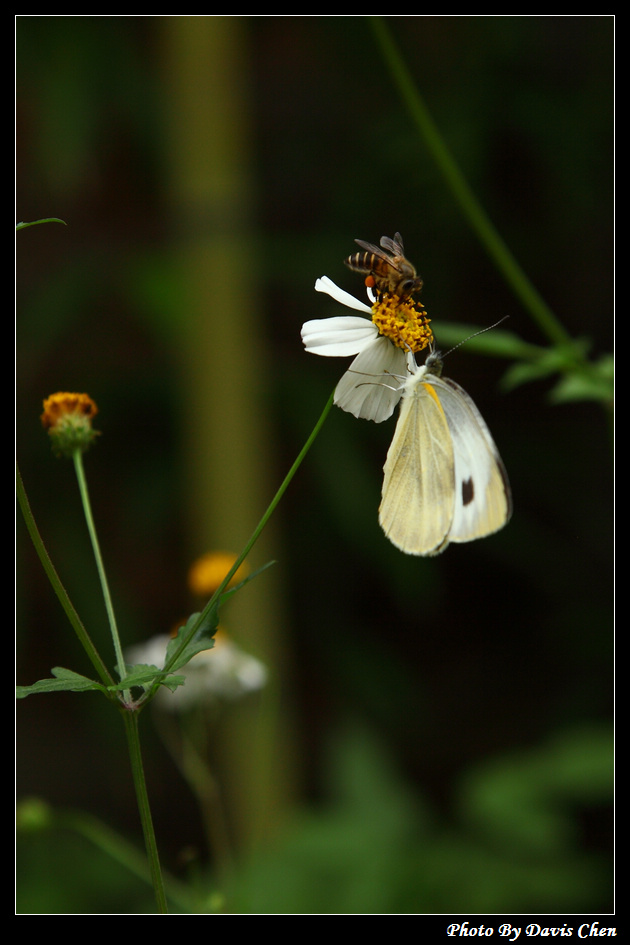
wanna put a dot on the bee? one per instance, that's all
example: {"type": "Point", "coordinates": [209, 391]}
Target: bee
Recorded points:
{"type": "Point", "coordinates": [393, 274]}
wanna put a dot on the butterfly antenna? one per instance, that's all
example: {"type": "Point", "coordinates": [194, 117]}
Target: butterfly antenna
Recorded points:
{"type": "Point", "coordinates": [474, 335]}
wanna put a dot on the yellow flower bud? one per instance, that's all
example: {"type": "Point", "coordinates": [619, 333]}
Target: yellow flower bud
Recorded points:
{"type": "Point", "coordinates": [68, 419]}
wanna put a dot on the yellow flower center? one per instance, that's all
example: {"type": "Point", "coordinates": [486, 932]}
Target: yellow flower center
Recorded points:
{"type": "Point", "coordinates": [404, 323]}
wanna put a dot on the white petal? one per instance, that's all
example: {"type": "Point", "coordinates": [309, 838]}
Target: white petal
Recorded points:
{"type": "Point", "coordinates": [328, 286]}
{"type": "Point", "coordinates": [152, 652]}
{"type": "Point", "coordinates": [372, 386]}
{"type": "Point", "coordinates": [338, 337]}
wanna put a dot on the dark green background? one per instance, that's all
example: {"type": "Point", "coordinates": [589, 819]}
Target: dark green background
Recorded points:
{"type": "Point", "coordinates": [435, 672]}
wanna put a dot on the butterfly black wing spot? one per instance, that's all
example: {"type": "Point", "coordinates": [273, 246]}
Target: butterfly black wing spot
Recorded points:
{"type": "Point", "coordinates": [468, 491]}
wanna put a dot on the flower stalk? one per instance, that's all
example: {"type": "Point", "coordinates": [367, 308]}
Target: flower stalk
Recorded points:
{"type": "Point", "coordinates": [212, 603]}
{"type": "Point", "coordinates": [463, 193]}
{"type": "Point", "coordinates": [77, 458]}
{"type": "Point", "coordinates": [137, 770]}
{"type": "Point", "coordinates": [75, 621]}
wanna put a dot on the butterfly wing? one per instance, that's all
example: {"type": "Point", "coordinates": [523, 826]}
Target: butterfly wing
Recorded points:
{"type": "Point", "coordinates": [418, 496]}
{"type": "Point", "coordinates": [483, 502]}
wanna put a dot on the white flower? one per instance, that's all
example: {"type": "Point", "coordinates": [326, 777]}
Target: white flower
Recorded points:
{"type": "Point", "coordinates": [223, 672]}
{"type": "Point", "coordinates": [372, 385]}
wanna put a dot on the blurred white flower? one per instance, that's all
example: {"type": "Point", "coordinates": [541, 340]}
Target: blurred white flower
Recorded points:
{"type": "Point", "coordinates": [225, 672]}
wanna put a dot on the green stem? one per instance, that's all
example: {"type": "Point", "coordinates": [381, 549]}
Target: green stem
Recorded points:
{"type": "Point", "coordinates": [256, 533]}
{"type": "Point", "coordinates": [137, 768]}
{"type": "Point", "coordinates": [186, 742]}
{"type": "Point", "coordinates": [469, 204]}
{"type": "Point", "coordinates": [123, 852]}
{"type": "Point", "coordinates": [58, 587]}
{"type": "Point", "coordinates": [77, 456]}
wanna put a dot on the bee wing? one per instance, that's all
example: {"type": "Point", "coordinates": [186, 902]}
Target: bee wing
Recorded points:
{"type": "Point", "coordinates": [418, 496]}
{"type": "Point", "coordinates": [371, 248]}
{"type": "Point", "coordinates": [483, 501]}
{"type": "Point", "coordinates": [394, 246]}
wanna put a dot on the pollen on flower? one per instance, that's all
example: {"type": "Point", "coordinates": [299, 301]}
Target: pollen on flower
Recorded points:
{"type": "Point", "coordinates": [68, 419]}
{"type": "Point", "coordinates": [405, 323]}
{"type": "Point", "coordinates": [207, 572]}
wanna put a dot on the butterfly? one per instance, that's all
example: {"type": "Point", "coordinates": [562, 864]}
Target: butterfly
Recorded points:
{"type": "Point", "coordinates": [444, 479]}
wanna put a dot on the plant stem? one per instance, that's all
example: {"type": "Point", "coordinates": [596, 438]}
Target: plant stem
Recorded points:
{"type": "Point", "coordinates": [464, 195]}
{"type": "Point", "coordinates": [137, 768]}
{"type": "Point", "coordinates": [58, 587]}
{"type": "Point", "coordinates": [122, 851]}
{"type": "Point", "coordinates": [257, 531]}
{"type": "Point", "coordinates": [77, 456]}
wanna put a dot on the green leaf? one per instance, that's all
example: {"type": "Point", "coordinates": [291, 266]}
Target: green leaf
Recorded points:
{"type": "Point", "coordinates": [523, 373]}
{"type": "Point", "coordinates": [206, 627]}
{"type": "Point", "coordinates": [246, 580]}
{"type": "Point", "coordinates": [22, 226]}
{"type": "Point", "coordinates": [598, 384]}
{"type": "Point", "coordinates": [65, 681]}
{"type": "Point", "coordinates": [145, 675]}
{"type": "Point", "coordinates": [483, 340]}
{"type": "Point", "coordinates": [593, 381]}
{"type": "Point", "coordinates": [201, 640]}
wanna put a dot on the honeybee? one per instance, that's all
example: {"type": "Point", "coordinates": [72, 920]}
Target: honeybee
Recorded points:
{"type": "Point", "coordinates": [393, 274]}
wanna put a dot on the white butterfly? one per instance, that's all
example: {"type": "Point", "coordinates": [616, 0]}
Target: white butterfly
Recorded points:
{"type": "Point", "coordinates": [444, 479]}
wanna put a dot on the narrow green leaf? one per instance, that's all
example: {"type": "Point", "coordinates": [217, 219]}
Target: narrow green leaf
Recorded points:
{"type": "Point", "coordinates": [250, 577]}
{"type": "Point", "coordinates": [65, 681]}
{"type": "Point", "coordinates": [145, 675]}
{"type": "Point", "coordinates": [22, 226]}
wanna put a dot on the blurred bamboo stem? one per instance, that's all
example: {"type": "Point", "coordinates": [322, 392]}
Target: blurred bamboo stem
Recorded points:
{"type": "Point", "coordinates": [227, 447]}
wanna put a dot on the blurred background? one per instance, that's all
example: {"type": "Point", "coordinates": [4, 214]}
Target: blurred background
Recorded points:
{"type": "Point", "coordinates": [435, 733]}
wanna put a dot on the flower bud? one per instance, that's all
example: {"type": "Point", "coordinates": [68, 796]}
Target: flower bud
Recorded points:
{"type": "Point", "coordinates": [68, 419]}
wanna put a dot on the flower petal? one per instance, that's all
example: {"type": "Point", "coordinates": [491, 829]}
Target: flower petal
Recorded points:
{"type": "Point", "coordinates": [372, 386]}
{"type": "Point", "coordinates": [328, 286]}
{"type": "Point", "coordinates": [338, 337]}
